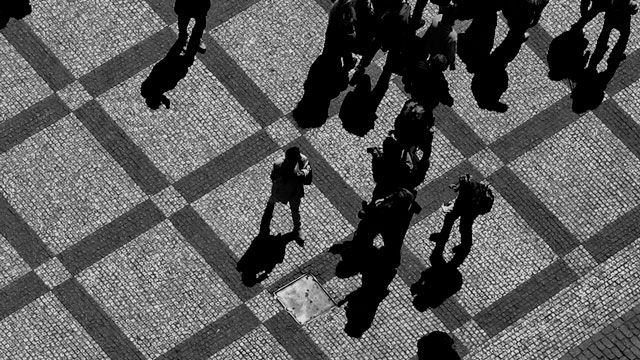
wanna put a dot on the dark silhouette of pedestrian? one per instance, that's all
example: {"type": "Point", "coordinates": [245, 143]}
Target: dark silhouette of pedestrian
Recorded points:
{"type": "Point", "coordinates": [16, 9]}
{"type": "Point", "coordinates": [475, 44]}
{"type": "Point", "coordinates": [358, 109]}
{"type": "Point", "coordinates": [325, 80]}
{"type": "Point", "coordinates": [474, 199]}
{"type": "Point", "coordinates": [489, 82]}
{"type": "Point", "coordinates": [289, 175]}
{"type": "Point", "coordinates": [426, 83]}
{"type": "Point", "coordinates": [521, 15]}
{"type": "Point", "coordinates": [441, 38]}
{"type": "Point", "coordinates": [165, 76]}
{"type": "Point", "coordinates": [437, 345]}
{"type": "Point", "coordinates": [340, 37]}
{"type": "Point", "coordinates": [187, 10]}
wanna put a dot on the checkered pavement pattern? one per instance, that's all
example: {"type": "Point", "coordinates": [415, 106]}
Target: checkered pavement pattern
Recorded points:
{"type": "Point", "coordinates": [120, 227]}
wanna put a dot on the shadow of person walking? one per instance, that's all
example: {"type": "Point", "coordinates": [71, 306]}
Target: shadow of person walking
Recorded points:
{"type": "Point", "coordinates": [389, 217]}
{"type": "Point", "coordinates": [165, 75]}
{"type": "Point", "coordinates": [265, 252]}
{"type": "Point", "coordinates": [326, 79]}
{"type": "Point", "coordinates": [16, 9]}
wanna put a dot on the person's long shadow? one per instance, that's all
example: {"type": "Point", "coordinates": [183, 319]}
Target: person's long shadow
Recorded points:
{"type": "Point", "coordinates": [16, 9]}
{"type": "Point", "coordinates": [325, 80]}
{"type": "Point", "coordinates": [165, 76]}
{"type": "Point", "coordinates": [358, 109]}
{"type": "Point", "coordinates": [377, 266]}
{"type": "Point", "coordinates": [264, 254]}
{"type": "Point", "coordinates": [440, 281]}
{"type": "Point", "coordinates": [568, 55]}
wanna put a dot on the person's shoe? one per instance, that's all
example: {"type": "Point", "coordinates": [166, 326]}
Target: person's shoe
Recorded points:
{"type": "Point", "coordinates": [616, 60]}
{"type": "Point", "coordinates": [447, 207]}
{"type": "Point", "coordinates": [202, 48]}
{"type": "Point", "coordinates": [456, 249]}
{"type": "Point", "coordinates": [525, 36]}
{"type": "Point", "coordinates": [350, 63]}
{"type": "Point", "coordinates": [298, 237]}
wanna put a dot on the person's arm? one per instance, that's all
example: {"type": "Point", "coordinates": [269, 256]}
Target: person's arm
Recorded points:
{"type": "Point", "coordinates": [275, 172]}
{"type": "Point", "coordinates": [304, 166]}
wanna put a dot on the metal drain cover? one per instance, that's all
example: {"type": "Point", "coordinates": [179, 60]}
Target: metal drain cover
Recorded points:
{"type": "Point", "coordinates": [304, 299]}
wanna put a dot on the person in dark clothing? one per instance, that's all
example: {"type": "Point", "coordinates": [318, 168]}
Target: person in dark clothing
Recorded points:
{"type": "Point", "coordinates": [521, 15]}
{"type": "Point", "coordinates": [489, 83]}
{"type": "Point", "coordinates": [436, 345]}
{"type": "Point", "coordinates": [340, 36]}
{"type": "Point", "coordinates": [165, 75]}
{"type": "Point", "coordinates": [395, 166]}
{"type": "Point", "coordinates": [476, 43]}
{"type": "Point", "coordinates": [16, 9]}
{"type": "Point", "coordinates": [426, 83]}
{"type": "Point", "coordinates": [474, 199]}
{"type": "Point", "coordinates": [187, 10]}
{"type": "Point", "coordinates": [358, 110]}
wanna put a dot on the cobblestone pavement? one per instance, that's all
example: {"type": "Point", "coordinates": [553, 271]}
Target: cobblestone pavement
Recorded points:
{"type": "Point", "coordinates": [121, 227]}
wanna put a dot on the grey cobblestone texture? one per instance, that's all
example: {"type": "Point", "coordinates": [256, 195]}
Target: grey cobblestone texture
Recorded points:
{"type": "Point", "coordinates": [121, 227]}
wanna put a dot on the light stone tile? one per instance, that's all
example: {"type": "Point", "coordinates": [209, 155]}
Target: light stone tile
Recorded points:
{"type": "Point", "coordinates": [86, 34]}
{"type": "Point", "coordinates": [486, 161]}
{"type": "Point", "coordinates": [471, 334]}
{"type": "Point", "coordinates": [394, 333]}
{"type": "Point", "coordinates": [204, 121]}
{"type": "Point", "coordinates": [74, 95]}
{"type": "Point", "coordinates": [20, 85]}
{"type": "Point", "coordinates": [256, 344]}
{"type": "Point", "coordinates": [575, 314]}
{"type": "Point", "coordinates": [234, 211]}
{"type": "Point", "coordinates": [264, 305]}
{"type": "Point", "coordinates": [338, 288]}
{"type": "Point", "coordinates": [44, 329]}
{"type": "Point", "coordinates": [559, 15]}
{"type": "Point", "coordinates": [53, 273]}
{"type": "Point", "coordinates": [629, 100]}
{"type": "Point", "coordinates": [580, 260]}
{"type": "Point", "coordinates": [158, 290]}
{"type": "Point", "coordinates": [527, 80]}
{"type": "Point", "coordinates": [12, 266]}
{"type": "Point", "coordinates": [282, 131]}
{"type": "Point", "coordinates": [505, 253]}
{"type": "Point", "coordinates": [169, 201]}
{"type": "Point", "coordinates": [65, 185]}
{"type": "Point", "coordinates": [584, 175]}
{"type": "Point", "coordinates": [275, 42]}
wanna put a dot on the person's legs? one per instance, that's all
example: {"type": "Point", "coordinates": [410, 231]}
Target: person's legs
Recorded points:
{"type": "Point", "coordinates": [447, 225]}
{"type": "Point", "coordinates": [416, 17]}
{"type": "Point", "coordinates": [617, 54]}
{"type": "Point", "coordinates": [294, 204]}
{"type": "Point", "coordinates": [196, 33]}
{"type": "Point", "coordinates": [183, 23]}
{"type": "Point", "coordinates": [601, 46]}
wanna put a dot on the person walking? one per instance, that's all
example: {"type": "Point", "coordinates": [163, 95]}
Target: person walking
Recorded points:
{"type": "Point", "coordinates": [441, 38]}
{"type": "Point", "coordinates": [474, 199]}
{"type": "Point", "coordinates": [288, 177]}
{"type": "Point", "coordinates": [187, 10]}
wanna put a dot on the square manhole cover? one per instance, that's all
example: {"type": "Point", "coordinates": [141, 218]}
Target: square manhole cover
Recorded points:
{"type": "Point", "coordinates": [304, 299]}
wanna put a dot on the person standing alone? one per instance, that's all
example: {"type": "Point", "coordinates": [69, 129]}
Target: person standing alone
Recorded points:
{"type": "Point", "coordinates": [288, 177]}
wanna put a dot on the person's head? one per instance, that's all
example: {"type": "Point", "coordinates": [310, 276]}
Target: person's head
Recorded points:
{"type": "Point", "coordinates": [292, 155]}
{"type": "Point", "coordinates": [438, 62]}
{"type": "Point", "coordinates": [434, 345]}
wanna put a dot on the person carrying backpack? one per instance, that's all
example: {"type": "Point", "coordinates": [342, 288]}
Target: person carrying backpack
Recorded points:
{"type": "Point", "coordinates": [474, 199]}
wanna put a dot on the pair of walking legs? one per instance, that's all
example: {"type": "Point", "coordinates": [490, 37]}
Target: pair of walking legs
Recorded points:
{"type": "Point", "coordinates": [466, 231]}
{"type": "Point", "coordinates": [196, 32]}
{"type": "Point", "coordinates": [294, 205]}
